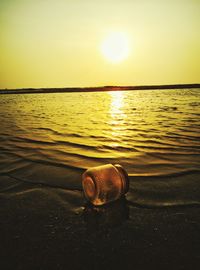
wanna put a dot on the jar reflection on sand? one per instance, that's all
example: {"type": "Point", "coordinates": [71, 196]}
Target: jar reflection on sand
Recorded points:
{"type": "Point", "coordinates": [104, 184]}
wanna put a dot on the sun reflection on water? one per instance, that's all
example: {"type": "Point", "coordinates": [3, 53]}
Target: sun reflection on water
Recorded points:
{"type": "Point", "coordinates": [117, 104]}
{"type": "Point", "coordinates": [117, 117]}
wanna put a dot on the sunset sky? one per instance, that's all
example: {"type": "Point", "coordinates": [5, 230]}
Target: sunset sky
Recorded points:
{"type": "Point", "coordinates": [64, 43]}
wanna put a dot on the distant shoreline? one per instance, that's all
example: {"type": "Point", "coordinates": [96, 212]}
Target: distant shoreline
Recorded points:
{"type": "Point", "coordinates": [96, 89]}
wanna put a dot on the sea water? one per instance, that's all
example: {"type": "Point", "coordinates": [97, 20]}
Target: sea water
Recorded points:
{"type": "Point", "coordinates": [153, 134]}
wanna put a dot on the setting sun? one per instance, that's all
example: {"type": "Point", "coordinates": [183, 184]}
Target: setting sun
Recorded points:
{"type": "Point", "coordinates": [115, 47]}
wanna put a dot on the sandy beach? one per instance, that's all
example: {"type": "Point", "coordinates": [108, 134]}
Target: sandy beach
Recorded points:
{"type": "Point", "coordinates": [53, 228]}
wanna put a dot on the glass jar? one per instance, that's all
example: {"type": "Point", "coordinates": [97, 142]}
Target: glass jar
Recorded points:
{"type": "Point", "coordinates": [104, 184]}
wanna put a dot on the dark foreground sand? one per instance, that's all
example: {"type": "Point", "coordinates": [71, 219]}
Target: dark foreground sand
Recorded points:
{"type": "Point", "coordinates": [52, 228]}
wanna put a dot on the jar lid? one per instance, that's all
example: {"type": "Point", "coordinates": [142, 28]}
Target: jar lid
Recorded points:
{"type": "Point", "coordinates": [89, 188]}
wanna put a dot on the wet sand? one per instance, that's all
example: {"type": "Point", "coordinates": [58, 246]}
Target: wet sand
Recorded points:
{"type": "Point", "coordinates": [45, 227]}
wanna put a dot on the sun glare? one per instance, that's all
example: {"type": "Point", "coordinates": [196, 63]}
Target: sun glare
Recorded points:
{"type": "Point", "coordinates": [115, 47]}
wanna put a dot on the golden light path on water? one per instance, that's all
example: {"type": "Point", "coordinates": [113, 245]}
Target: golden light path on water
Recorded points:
{"type": "Point", "coordinates": [117, 115]}
{"type": "Point", "coordinates": [117, 103]}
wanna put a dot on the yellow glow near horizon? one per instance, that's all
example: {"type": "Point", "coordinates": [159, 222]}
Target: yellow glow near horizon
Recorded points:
{"type": "Point", "coordinates": [60, 43]}
{"type": "Point", "coordinates": [115, 47]}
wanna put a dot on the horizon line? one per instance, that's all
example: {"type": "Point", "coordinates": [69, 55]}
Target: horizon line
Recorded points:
{"type": "Point", "coordinates": [97, 88]}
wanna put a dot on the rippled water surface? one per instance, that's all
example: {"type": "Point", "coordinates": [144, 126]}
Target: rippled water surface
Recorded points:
{"type": "Point", "coordinates": [51, 138]}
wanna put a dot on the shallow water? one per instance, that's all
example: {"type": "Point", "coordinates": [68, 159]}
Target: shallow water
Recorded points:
{"type": "Point", "coordinates": [154, 134]}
